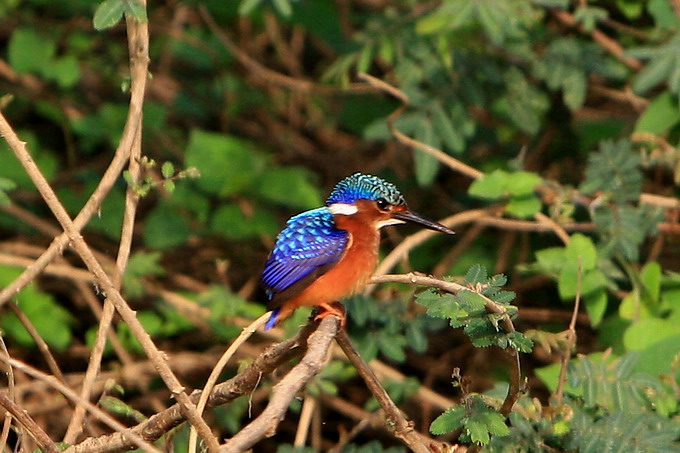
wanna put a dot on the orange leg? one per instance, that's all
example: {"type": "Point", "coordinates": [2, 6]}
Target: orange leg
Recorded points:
{"type": "Point", "coordinates": [331, 309]}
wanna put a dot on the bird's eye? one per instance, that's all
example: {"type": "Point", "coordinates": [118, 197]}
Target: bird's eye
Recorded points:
{"type": "Point", "coordinates": [382, 204]}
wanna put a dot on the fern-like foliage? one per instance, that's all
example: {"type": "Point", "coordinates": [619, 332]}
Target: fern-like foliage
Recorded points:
{"type": "Point", "coordinates": [467, 309]}
{"type": "Point", "coordinates": [622, 432]}
{"type": "Point", "coordinates": [615, 170]}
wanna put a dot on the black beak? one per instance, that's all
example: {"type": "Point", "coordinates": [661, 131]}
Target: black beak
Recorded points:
{"type": "Point", "coordinates": [410, 216]}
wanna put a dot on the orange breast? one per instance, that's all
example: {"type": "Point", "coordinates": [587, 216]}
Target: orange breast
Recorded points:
{"type": "Point", "coordinates": [347, 277]}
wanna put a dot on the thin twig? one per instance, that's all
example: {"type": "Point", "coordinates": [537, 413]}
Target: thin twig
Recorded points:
{"type": "Point", "coordinates": [273, 77]}
{"type": "Point", "coordinates": [31, 426]}
{"type": "Point", "coordinates": [570, 337]}
{"type": "Point", "coordinates": [308, 408]}
{"type": "Point", "coordinates": [438, 154]}
{"type": "Point", "coordinates": [241, 384]}
{"type": "Point", "coordinates": [76, 240]}
{"type": "Point", "coordinates": [217, 370]}
{"type": "Point", "coordinates": [39, 341]}
{"type": "Point", "coordinates": [73, 396]}
{"type": "Point", "coordinates": [403, 429]}
{"type": "Point", "coordinates": [7, 423]}
{"type": "Point", "coordinates": [604, 41]}
{"type": "Point", "coordinates": [124, 247]}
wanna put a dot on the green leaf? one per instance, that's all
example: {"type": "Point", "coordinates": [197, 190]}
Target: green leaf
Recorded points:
{"type": "Point", "coordinates": [661, 67]}
{"type": "Point", "coordinates": [392, 346]}
{"type": "Point", "coordinates": [416, 337]}
{"type": "Point", "coordinates": [248, 6]}
{"type": "Point", "coordinates": [523, 207]}
{"type": "Point", "coordinates": [551, 259]}
{"type": "Point", "coordinates": [231, 221]}
{"type": "Point", "coordinates": [662, 12]}
{"type": "Point", "coordinates": [136, 10]}
{"type": "Point", "coordinates": [426, 165]}
{"type": "Point", "coordinates": [492, 185]}
{"type": "Point", "coordinates": [5, 186]}
{"type": "Point", "coordinates": [30, 51]}
{"type": "Point", "coordinates": [227, 164]}
{"type": "Point", "coordinates": [651, 278]}
{"type": "Point", "coordinates": [596, 306]}
{"type": "Point", "coordinates": [439, 305]}
{"type": "Point", "coordinates": [477, 431]}
{"type": "Point", "coordinates": [65, 71]}
{"type": "Point", "coordinates": [660, 116]}
{"type": "Point", "coordinates": [140, 264]}
{"type": "Point", "coordinates": [108, 14]}
{"type": "Point", "coordinates": [167, 169]}
{"type": "Point", "coordinates": [581, 247]}
{"type": "Point", "coordinates": [283, 7]}
{"type": "Point", "coordinates": [646, 332]}
{"type": "Point", "coordinates": [52, 321]}
{"type": "Point", "coordinates": [449, 421]}
{"type": "Point", "coordinates": [290, 186]}
{"type": "Point", "coordinates": [522, 183]}
{"type": "Point", "coordinates": [446, 130]}
{"type": "Point", "coordinates": [164, 228]}
{"type": "Point", "coordinates": [476, 274]}
{"type": "Point", "coordinates": [589, 16]}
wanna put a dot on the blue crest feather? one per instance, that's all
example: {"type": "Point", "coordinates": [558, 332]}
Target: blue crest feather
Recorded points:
{"type": "Point", "coordinates": [359, 186]}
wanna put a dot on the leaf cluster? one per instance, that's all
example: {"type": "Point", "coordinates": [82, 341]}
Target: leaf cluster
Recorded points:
{"type": "Point", "coordinates": [468, 309]}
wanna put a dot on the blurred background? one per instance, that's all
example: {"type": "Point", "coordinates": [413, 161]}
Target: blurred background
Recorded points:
{"type": "Point", "coordinates": [569, 109]}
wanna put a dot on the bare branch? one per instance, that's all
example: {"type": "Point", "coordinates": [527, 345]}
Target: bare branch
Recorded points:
{"type": "Point", "coordinates": [224, 393]}
{"type": "Point", "coordinates": [31, 426]}
{"type": "Point", "coordinates": [403, 429]}
{"type": "Point", "coordinates": [311, 363]}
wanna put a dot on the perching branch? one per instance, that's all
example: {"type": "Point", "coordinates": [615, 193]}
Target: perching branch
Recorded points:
{"type": "Point", "coordinates": [311, 363]}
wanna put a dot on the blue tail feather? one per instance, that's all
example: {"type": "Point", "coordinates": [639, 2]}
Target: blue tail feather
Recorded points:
{"type": "Point", "coordinates": [271, 322]}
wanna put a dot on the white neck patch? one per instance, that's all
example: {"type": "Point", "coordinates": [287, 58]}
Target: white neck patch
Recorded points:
{"type": "Point", "coordinates": [384, 223]}
{"type": "Point", "coordinates": [343, 209]}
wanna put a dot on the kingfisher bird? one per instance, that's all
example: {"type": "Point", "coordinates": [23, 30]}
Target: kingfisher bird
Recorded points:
{"type": "Point", "coordinates": [329, 253]}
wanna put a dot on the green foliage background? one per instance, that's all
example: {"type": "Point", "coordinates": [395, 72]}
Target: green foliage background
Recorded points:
{"type": "Point", "coordinates": [570, 109]}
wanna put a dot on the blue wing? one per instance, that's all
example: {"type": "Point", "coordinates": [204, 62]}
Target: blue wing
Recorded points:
{"type": "Point", "coordinates": [308, 246]}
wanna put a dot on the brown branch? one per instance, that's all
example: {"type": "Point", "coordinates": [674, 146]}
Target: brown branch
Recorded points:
{"type": "Point", "coordinates": [311, 363]}
{"type": "Point", "coordinates": [217, 370]}
{"type": "Point", "coordinates": [570, 338]}
{"type": "Point", "coordinates": [39, 341]}
{"type": "Point", "coordinates": [403, 429]}
{"type": "Point", "coordinates": [243, 383]}
{"type": "Point", "coordinates": [268, 75]}
{"type": "Point", "coordinates": [70, 394]}
{"type": "Point", "coordinates": [441, 156]}
{"type": "Point", "coordinates": [136, 33]}
{"type": "Point", "coordinates": [104, 281]}
{"type": "Point", "coordinates": [607, 43]}
{"type": "Point", "coordinates": [36, 432]}
{"type": "Point", "coordinates": [7, 423]}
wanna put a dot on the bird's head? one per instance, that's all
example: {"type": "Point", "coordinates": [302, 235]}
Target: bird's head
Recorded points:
{"type": "Point", "coordinates": [376, 201]}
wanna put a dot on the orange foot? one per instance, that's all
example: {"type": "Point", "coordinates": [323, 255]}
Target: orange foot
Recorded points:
{"type": "Point", "coordinates": [328, 309]}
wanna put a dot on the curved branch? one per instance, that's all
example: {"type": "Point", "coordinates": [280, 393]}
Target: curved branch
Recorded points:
{"type": "Point", "coordinates": [265, 425]}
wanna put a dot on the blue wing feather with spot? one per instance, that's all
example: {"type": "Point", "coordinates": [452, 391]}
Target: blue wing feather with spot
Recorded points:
{"type": "Point", "coordinates": [309, 242]}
